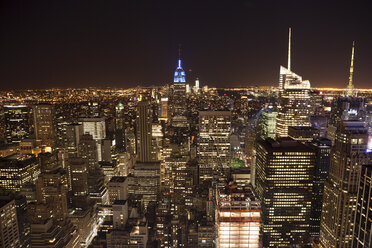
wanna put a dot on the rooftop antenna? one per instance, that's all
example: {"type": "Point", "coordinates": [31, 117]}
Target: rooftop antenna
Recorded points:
{"type": "Point", "coordinates": [350, 87]}
{"type": "Point", "coordinates": [289, 49]}
{"type": "Point", "coordinates": [179, 55]}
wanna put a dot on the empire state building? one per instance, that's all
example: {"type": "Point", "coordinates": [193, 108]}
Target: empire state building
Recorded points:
{"type": "Point", "coordinates": [179, 74]}
{"type": "Point", "coordinates": [179, 90]}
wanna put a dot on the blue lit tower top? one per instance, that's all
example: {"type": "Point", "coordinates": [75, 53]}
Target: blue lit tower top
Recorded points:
{"type": "Point", "coordinates": [179, 74]}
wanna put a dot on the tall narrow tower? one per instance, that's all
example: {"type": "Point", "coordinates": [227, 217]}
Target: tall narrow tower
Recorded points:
{"type": "Point", "coordinates": [179, 89]}
{"type": "Point", "coordinates": [341, 187]}
{"type": "Point", "coordinates": [144, 132]}
{"type": "Point", "coordinates": [294, 99]}
{"type": "Point", "coordinates": [44, 121]}
{"type": "Point", "coordinates": [289, 49]}
{"type": "Point", "coordinates": [179, 74]}
{"type": "Point", "coordinates": [350, 87]}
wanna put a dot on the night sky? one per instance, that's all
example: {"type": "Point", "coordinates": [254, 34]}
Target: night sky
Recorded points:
{"type": "Point", "coordinates": [63, 43]}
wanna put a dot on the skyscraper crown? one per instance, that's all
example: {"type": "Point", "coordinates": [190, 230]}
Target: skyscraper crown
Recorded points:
{"type": "Point", "coordinates": [179, 74]}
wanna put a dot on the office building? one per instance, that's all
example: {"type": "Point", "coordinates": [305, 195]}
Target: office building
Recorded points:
{"type": "Point", "coordinates": [44, 124]}
{"type": "Point", "coordinates": [238, 217]}
{"type": "Point", "coordinates": [16, 171]}
{"type": "Point", "coordinates": [97, 186]}
{"type": "Point", "coordinates": [268, 123]}
{"type": "Point", "coordinates": [21, 210]}
{"type": "Point", "coordinates": [145, 181]}
{"type": "Point", "coordinates": [46, 234]}
{"type": "Point", "coordinates": [9, 234]}
{"type": "Point", "coordinates": [117, 189]}
{"type": "Point", "coordinates": [303, 134]}
{"type": "Point", "coordinates": [341, 188]}
{"type": "Point", "coordinates": [17, 120]}
{"type": "Point", "coordinates": [163, 109]}
{"type": "Point", "coordinates": [97, 128]}
{"type": "Point", "coordinates": [179, 90]}
{"type": "Point", "coordinates": [120, 214]}
{"type": "Point", "coordinates": [294, 99]}
{"type": "Point", "coordinates": [73, 136]}
{"type": "Point", "coordinates": [51, 191]}
{"type": "Point", "coordinates": [179, 74]}
{"type": "Point", "coordinates": [322, 149]}
{"type": "Point", "coordinates": [362, 233]}
{"type": "Point", "coordinates": [214, 143]}
{"type": "Point", "coordinates": [197, 85]}
{"type": "Point", "coordinates": [206, 234]}
{"type": "Point", "coordinates": [145, 152]}
{"type": "Point", "coordinates": [78, 169]}
{"type": "Point", "coordinates": [120, 126]}
{"type": "Point", "coordinates": [87, 150]}
{"type": "Point", "coordinates": [139, 234]}
{"type": "Point", "coordinates": [294, 109]}
{"type": "Point", "coordinates": [284, 182]}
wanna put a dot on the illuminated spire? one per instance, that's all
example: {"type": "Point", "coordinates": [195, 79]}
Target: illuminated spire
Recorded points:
{"type": "Point", "coordinates": [289, 50]}
{"type": "Point", "coordinates": [179, 57]}
{"type": "Point", "coordinates": [350, 87]}
{"type": "Point", "coordinates": [179, 74]}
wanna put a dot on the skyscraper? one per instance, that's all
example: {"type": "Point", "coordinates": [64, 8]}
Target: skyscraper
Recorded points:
{"type": "Point", "coordinates": [238, 218]}
{"type": "Point", "coordinates": [87, 150]}
{"type": "Point", "coordinates": [197, 85]}
{"type": "Point", "coordinates": [350, 86]}
{"type": "Point", "coordinates": [340, 190]}
{"type": "Point", "coordinates": [268, 123]}
{"type": "Point", "coordinates": [145, 181]}
{"type": "Point", "coordinates": [97, 128]}
{"type": "Point", "coordinates": [284, 181]}
{"type": "Point", "coordinates": [145, 153]}
{"type": "Point", "coordinates": [294, 101]}
{"type": "Point", "coordinates": [47, 234]}
{"type": "Point", "coordinates": [44, 121]}
{"type": "Point", "coordinates": [179, 89]}
{"type": "Point", "coordinates": [362, 237]}
{"type": "Point", "coordinates": [179, 74]}
{"type": "Point", "coordinates": [22, 217]}
{"type": "Point", "coordinates": [17, 122]}
{"type": "Point", "coordinates": [9, 235]}
{"type": "Point", "coordinates": [51, 191]}
{"type": "Point", "coordinates": [322, 148]}
{"type": "Point", "coordinates": [117, 189]}
{"type": "Point", "coordinates": [120, 142]}
{"type": "Point", "coordinates": [214, 143]}
{"type": "Point", "coordinates": [73, 135]}
{"type": "Point", "coordinates": [16, 171]}
{"type": "Point", "coordinates": [79, 182]}
{"type": "Point", "coordinates": [164, 109]}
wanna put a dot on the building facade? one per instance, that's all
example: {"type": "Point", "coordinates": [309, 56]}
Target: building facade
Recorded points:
{"type": "Point", "coordinates": [9, 234]}
{"type": "Point", "coordinates": [284, 181]}
{"type": "Point", "coordinates": [238, 218]}
{"type": "Point", "coordinates": [214, 143]}
{"type": "Point", "coordinates": [44, 122]}
{"type": "Point", "coordinates": [362, 237]}
{"type": "Point", "coordinates": [340, 190]}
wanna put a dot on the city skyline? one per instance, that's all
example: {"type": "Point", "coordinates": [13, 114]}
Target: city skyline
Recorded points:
{"type": "Point", "coordinates": [169, 124]}
{"type": "Point", "coordinates": [126, 45]}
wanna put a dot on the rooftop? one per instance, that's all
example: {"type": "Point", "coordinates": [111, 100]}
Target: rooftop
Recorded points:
{"type": "Point", "coordinates": [118, 179]}
{"type": "Point", "coordinates": [284, 145]}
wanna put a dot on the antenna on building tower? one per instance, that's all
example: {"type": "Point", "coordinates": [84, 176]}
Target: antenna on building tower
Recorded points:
{"type": "Point", "coordinates": [350, 87]}
{"type": "Point", "coordinates": [289, 49]}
